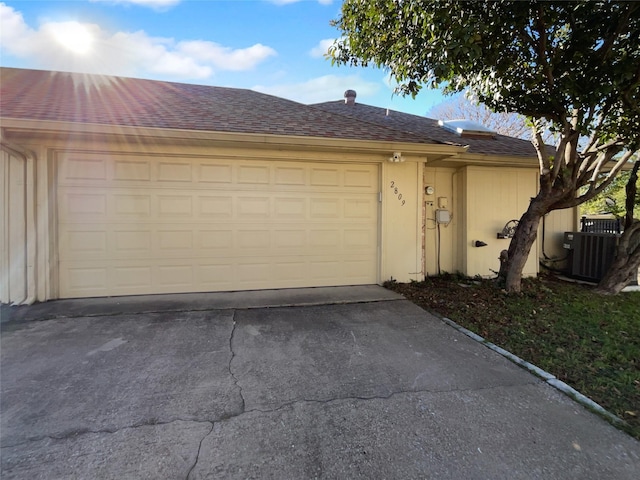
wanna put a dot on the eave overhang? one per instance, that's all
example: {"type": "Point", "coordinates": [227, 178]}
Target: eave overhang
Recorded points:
{"type": "Point", "coordinates": [21, 130]}
{"type": "Point", "coordinates": [469, 159]}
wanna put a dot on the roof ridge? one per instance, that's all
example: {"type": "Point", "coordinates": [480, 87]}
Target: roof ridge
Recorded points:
{"type": "Point", "coordinates": [318, 106]}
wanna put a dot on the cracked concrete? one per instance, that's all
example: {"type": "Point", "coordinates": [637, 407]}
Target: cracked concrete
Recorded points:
{"type": "Point", "coordinates": [355, 390]}
{"type": "Point", "coordinates": [195, 462]}
{"type": "Point", "coordinates": [233, 355]}
{"type": "Point", "coordinates": [146, 452]}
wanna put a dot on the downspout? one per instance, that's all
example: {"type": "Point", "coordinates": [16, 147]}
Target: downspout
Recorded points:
{"type": "Point", "coordinates": [30, 221]}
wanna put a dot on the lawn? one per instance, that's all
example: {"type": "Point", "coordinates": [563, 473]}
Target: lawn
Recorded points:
{"type": "Point", "coordinates": [588, 341]}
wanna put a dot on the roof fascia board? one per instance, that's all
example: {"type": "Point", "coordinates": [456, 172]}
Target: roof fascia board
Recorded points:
{"type": "Point", "coordinates": [26, 127]}
{"type": "Point", "coordinates": [495, 160]}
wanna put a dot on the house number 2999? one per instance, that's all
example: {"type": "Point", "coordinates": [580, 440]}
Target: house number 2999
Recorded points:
{"type": "Point", "coordinates": [397, 192]}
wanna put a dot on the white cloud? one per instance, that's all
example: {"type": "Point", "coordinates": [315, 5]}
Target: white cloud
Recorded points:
{"type": "Point", "coordinates": [322, 48]}
{"type": "Point", "coordinates": [120, 53]}
{"type": "Point", "coordinates": [226, 58]}
{"type": "Point", "coordinates": [321, 89]}
{"type": "Point", "coordinates": [155, 4]}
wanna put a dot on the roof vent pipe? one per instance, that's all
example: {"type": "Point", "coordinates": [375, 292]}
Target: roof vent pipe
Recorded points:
{"type": "Point", "coordinates": [350, 97]}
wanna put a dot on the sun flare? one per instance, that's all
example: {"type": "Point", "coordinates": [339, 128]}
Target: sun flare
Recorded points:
{"type": "Point", "coordinates": [75, 37]}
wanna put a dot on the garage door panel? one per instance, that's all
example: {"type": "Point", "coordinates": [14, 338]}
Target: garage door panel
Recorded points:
{"type": "Point", "coordinates": [360, 208]}
{"type": "Point", "coordinates": [253, 174]}
{"type": "Point", "coordinates": [362, 178]}
{"type": "Point", "coordinates": [252, 207]}
{"type": "Point", "coordinates": [325, 177]}
{"type": "Point", "coordinates": [215, 173]}
{"type": "Point", "coordinates": [324, 269]}
{"type": "Point", "coordinates": [290, 239]}
{"type": "Point", "coordinates": [290, 271]}
{"type": "Point", "coordinates": [175, 171]}
{"type": "Point", "coordinates": [130, 242]}
{"type": "Point", "coordinates": [84, 281]}
{"type": "Point", "coordinates": [290, 208]}
{"type": "Point", "coordinates": [215, 240]}
{"type": "Point", "coordinates": [175, 225]}
{"type": "Point", "coordinates": [325, 238]}
{"type": "Point", "coordinates": [85, 242]}
{"type": "Point", "coordinates": [132, 277]}
{"type": "Point", "coordinates": [175, 205]}
{"type": "Point", "coordinates": [75, 205]}
{"type": "Point", "coordinates": [290, 176]}
{"type": "Point", "coordinates": [174, 240]}
{"type": "Point", "coordinates": [359, 238]}
{"type": "Point", "coordinates": [132, 170]}
{"type": "Point", "coordinates": [191, 241]}
{"type": "Point", "coordinates": [323, 208]}
{"type": "Point", "coordinates": [253, 241]}
{"type": "Point", "coordinates": [215, 275]}
{"type": "Point", "coordinates": [130, 205]}
{"type": "Point", "coordinates": [176, 276]}
{"type": "Point", "coordinates": [215, 206]}
{"type": "Point", "coordinates": [358, 269]}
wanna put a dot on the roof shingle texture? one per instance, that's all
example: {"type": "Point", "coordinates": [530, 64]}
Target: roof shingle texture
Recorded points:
{"type": "Point", "coordinates": [429, 128]}
{"type": "Point", "coordinates": [107, 100]}
{"type": "Point", "coordinates": [97, 99]}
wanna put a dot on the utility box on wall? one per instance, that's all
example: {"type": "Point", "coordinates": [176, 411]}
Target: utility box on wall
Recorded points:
{"type": "Point", "coordinates": [590, 254]}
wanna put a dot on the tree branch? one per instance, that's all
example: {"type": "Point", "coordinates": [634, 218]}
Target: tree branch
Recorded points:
{"type": "Point", "coordinates": [542, 46]}
{"type": "Point", "coordinates": [595, 189]}
{"type": "Point", "coordinates": [541, 151]}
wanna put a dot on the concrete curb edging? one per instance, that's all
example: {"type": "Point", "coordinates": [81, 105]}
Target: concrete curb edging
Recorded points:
{"type": "Point", "coordinates": [546, 376]}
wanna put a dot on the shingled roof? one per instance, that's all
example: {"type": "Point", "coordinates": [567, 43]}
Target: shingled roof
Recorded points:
{"type": "Point", "coordinates": [106, 100]}
{"type": "Point", "coordinates": [429, 128]}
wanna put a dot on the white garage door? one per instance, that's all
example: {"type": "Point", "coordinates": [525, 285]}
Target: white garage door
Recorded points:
{"type": "Point", "coordinates": [145, 225]}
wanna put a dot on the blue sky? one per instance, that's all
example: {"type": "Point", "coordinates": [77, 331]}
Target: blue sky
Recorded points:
{"type": "Point", "coordinates": [272, 46]}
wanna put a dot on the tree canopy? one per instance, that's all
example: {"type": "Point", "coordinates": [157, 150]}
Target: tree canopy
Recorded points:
{"type": "Point", "coordinates": [577, 61]}
{"type": "Point", "coordinates": [573, 64]}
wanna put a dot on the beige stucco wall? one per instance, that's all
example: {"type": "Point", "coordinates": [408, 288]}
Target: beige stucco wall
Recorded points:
{"type": "Point", "coordinates": [496, 196]}
{"type": "Point", "coordinates": [551, 236]}
{"type": "Point", "coordinates": [29, 262]}
{"type": "Point", "coordinates": [443, 181]}
{"type": "Point", "coordinates": [401, 221]}
{"type": "Point", "coordinates": [482, 200]}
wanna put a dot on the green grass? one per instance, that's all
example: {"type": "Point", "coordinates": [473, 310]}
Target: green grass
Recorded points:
{"type": "Point", "coordinates": [588, 341]}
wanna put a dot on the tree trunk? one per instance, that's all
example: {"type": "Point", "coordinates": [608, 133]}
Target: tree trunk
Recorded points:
{"type": "Point", "coordinates": [520, 246]}
{"type": "Point", "coordinates": [625, 263]}
{"type": "Point", "coordinates": [627, 257]}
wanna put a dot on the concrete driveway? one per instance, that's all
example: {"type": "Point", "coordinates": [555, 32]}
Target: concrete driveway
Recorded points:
{"type": "Point", "coordinates": [200, 386]}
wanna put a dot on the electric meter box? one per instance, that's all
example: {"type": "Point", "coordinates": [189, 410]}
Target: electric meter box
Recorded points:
{"type": "Point", "coordinates": [443, 216]}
